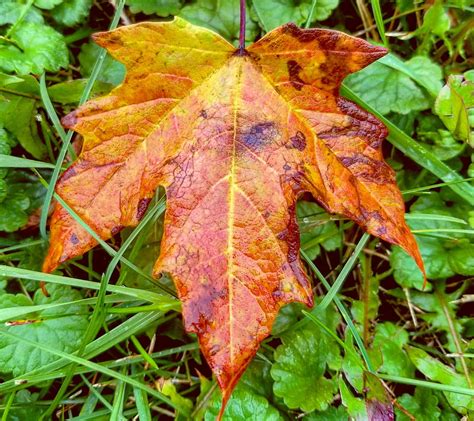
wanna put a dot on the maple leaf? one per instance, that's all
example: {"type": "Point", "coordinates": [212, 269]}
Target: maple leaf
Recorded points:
{"type": "Point", "coordinates": [235, 137]}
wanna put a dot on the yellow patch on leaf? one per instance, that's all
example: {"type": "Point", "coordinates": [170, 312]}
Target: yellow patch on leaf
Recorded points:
{"type": "Point", "coordinates": [235, 138]}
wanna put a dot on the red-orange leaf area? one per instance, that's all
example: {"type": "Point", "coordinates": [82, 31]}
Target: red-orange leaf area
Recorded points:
{"type": "Point", "coordinates": [234, 137]}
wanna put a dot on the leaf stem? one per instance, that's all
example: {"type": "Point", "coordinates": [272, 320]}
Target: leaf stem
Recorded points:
{"type": "Point", "coordinates": [242, 26]}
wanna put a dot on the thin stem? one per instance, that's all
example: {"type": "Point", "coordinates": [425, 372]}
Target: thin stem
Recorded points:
{"type": "Point", "coordinates": [242, 26]}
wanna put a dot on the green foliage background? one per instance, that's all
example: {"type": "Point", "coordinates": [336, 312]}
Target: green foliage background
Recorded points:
{"type": "Point", "coordinates": [108, 342]}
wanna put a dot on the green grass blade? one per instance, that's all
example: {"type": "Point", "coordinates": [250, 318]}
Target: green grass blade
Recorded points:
{"type": "Point", "coordinates": [310, 14]}
{"type": "Point", "coordinates": [96, 394]}
{"type": "Point", "coordinates": [141, 401]}
{"type": "Point", "coordinates": [48, 105]}
{"type": "Point", "coordinates": [119, 398]}
{"type": "Point", "coordinates": [429, 385]}
{"type": "Point", "coordinates": [8, 161]}
{"type": "Point", "coordinates": [417, 152]}
{"type": "Point", "coordinates": [433, 217]}
{"type": "Point", "coordinates": [13, 272]}
{"type": "Point", "coordinates": [333, 290]}
{"type": "Point", "coordinates": [8, 405]}
{"type": "Point", "coordinates": [344, 312]}
{"type": "Point", "coordinates": [377, 11]}
{"type": "Point", "coordinates": [14, 313]}
{"type": "Point", "coordinates": [434, 186]}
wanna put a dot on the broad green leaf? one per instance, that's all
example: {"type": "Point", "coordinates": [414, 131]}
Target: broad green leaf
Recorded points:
{"type": "Point", "coordinates": [13, 209]}
{"type": "Point", "coordinates": [111, 72]}
{"type": "Point", "coordinates": [300, 364]}
{"type": "Point", "coordinates": [10, 11]}
{"type": "Point", "coordinates": [159, 7]}
{"type": "Point", "coordinates": [25, 406]}
{"type": "Point", "coordinates": [287, 316]}
{"type": "Point", "coordinates": [436, 20]}
{"type": "Point", "coordinates": [390, 90]}
{"type": "Point", "coordinates": [425, 72]}
{"type": "Point", "coordinates": [27, 183]}
{"type": "Point", "coordinates": [257, 378]}
{"type": "Point", "coordinates": [440, 141]}
{"type": "Point", "coordinates": [18, 108]}
{"type": "Point", "coordinates": [390, 339]}
{"type": "Point", "coordinates": [445, 253]}
{"type": "Point", "coordinates": [35, 48]}
{"type": "Point", "coordinates": [14, 203]}
{"type": "Point", "coordinates": [435, 370]}
{"type": "Point", "coordinates": [423, 405]}
{"type": "Point", "coordinates": [6, 144]}
{"type": "Point", "coordinates": [298, 373]}
{"type": "Point", "coordinates": [461, 260]}
{"type": "Point", "coordinates": [440, 313]}
{"type": "Point", "coordinates": [59, 328]}
{"type": "Point", "coordinates": [244, 405]}
{"type": "Point", "coordinates": [71, 12]}
{"type": "Point", "coordinates": [273, 13]}
{"type": "Point", "coordinates": [47, 4]}
{"type": "Point", "coordinates": [453, 105]}
{"type": "Point", "coordinates": [220, 16]}
{"type": "Point", "coordinates": [355, 406]}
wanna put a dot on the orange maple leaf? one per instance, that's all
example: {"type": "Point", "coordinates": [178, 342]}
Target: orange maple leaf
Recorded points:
{"type": "Point", "coordinates": [235, 137]}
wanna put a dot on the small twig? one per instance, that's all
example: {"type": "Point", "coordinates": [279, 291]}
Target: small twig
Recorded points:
{"type": "Point", "coordinates": [150, 350]}
{"type": "Point", "coordinates": [468, 298]}
{"type": "Point", "coordinates": [410, 307]}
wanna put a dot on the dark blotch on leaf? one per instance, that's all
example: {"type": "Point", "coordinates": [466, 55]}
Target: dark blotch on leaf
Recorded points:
{"type": "Point", "coordinates": [305, 35]}
{"type": "Point", "coordinates": [74, 239]}
{"type": "Point", "coordinates": [259, 135]}
{"type": "Point", "coordinates": [298, 141]}
{"type": "Point", "coordinates": [117, 229]}
{"type": "Point", "coordinates": [70, 172]}
{"type": "Point", "coordinates": [142, 207]}
{"type": "Point", "coordinates": [294, 70]}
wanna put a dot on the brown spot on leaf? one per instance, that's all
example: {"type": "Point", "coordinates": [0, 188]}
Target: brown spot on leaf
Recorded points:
{"type": "Point", "coordinates": [298, 141]}
{"type": "Point", "coordinates": [294, 70]}
{"type": "Point", "coordinates": [306, 35]}
{"type": "Point", "coordinates": [70, 172]}
{"type": "Point", "coordinates": [117, 229]}
{"type": "Point", "coordinates": [259, 135]}
{"type": "Point", "coordinates": [142, 207]}
{"type": "Point", "coordinates": [73, 238]}
{"type": "Point", "coordinates": [203, 114]}
{"type": "Point", "coordinates": [69, 120]}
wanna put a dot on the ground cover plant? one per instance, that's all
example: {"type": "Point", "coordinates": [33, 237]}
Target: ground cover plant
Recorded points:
{"type": "Point", "coordinates": [104, 340]}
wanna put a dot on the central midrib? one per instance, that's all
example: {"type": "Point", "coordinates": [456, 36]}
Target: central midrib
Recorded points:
{"type": "Point", "coordinates": [230, 216]}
